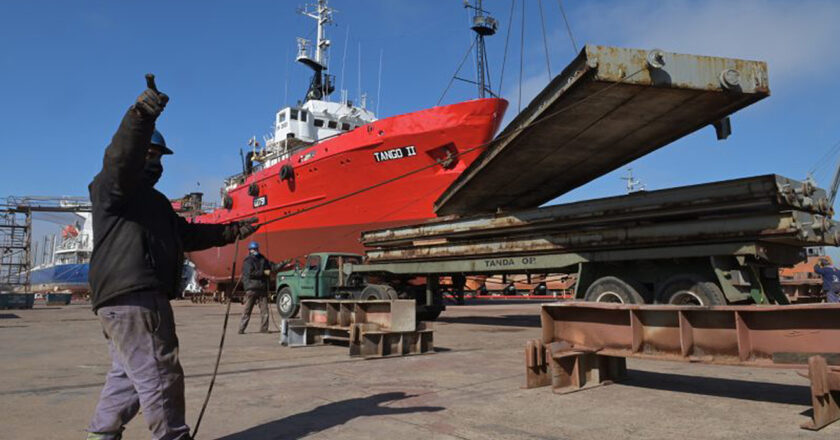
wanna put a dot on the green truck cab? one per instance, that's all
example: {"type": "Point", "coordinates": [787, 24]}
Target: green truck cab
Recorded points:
{"type": "Point", "coordinates": [317, 278]}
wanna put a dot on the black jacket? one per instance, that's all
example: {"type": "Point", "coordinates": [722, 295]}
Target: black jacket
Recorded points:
{"type": "Point", "coordinates": [139, 241]}
{"type": "Point", "coordinates": [253, 273]}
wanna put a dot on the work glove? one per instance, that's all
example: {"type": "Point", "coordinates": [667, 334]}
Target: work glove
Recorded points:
{"type": "Point", "coordinates": [240, 230]}
{"type": "Point", "coordinates": [267, 272]}
{"type": "Point", "coordinates": [151, 103]}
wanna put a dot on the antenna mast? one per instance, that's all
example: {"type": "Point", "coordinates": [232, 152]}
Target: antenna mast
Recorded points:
{"type": "Point", "coordinates": [484, 26]}
{"type": "Point", "coordinates": [322, 84]}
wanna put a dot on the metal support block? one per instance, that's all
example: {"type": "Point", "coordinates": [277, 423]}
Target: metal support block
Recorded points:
{"type": "Point", "coordinates": [825, 393]}
{"type": "Point", "coordinates": [574, 370]}
{"type": "Point", "coordinates": [536, 367]}
{"type": "Point", "coordinates": [377, 344]}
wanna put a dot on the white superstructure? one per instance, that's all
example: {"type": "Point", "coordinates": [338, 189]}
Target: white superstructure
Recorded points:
{"type": "Point", "coordinates": [317, 118]}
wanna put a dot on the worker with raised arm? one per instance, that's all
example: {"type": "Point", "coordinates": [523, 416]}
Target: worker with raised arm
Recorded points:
{"type": "Point", "coordinates": [831, 280]}
{"type": "Point", "coordinates": [138, 254]}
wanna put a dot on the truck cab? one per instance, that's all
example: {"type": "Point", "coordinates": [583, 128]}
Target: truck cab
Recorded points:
{"type": "Point", "coordinates": [316, 278]}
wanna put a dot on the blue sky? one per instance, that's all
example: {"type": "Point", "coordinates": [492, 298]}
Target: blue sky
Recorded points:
{"type": "Point", "coordinates": [70, 69]}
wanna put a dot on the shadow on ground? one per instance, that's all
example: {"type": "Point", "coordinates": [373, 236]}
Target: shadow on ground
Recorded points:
{"type": "Point", "coordinates": [327, 416]}
{"type": "Point", "coordinates": [712, 386]}
{"type": "Point", "coordinates": [504, 320]}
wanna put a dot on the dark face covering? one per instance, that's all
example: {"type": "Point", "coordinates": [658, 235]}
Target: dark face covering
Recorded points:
{"type": "Point", "coordinates": [152, 171]}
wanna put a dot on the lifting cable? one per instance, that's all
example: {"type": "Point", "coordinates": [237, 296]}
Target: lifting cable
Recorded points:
{"type": "Point", "coordinates": [825, 159]}
{"type": "Point", "coordinates": [507, 40]}
{"type": "Point", "coordinates": [509, 134]}
{"type": "Point", "coordinates": [545, 41]}
{"type": "Point", "coordinates": [521, 57]}
{"type": "Point", "coordinates": [568, 28]}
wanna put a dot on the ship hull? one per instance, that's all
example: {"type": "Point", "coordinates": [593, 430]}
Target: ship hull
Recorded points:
{"type": "Point", "coordinates": [384, 174]}
{"type": "Point", "coordinates": [71, 278]}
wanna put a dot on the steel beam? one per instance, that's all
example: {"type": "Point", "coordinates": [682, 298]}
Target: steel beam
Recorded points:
{"type": "Point", "coordinates": [609, 106]}
{"type": "Point", "coordinates": [767, 193]}
{"type": "Point", "coordinates": [585, 344]}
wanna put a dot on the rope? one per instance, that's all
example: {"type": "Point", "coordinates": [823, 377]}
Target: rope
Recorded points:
{"type": "Point", "coordinates": [236, 244]}
{"type": "Point", "coordinates": [545, 41]}
{"type": "Point", "coordinates": [507, 39]}
{"type": "Point", "coordinates": [568, 28]}
{"type": "Point", "coordinates": [440, 161]}
{"type": "Point", "coordinates": [221, 340]}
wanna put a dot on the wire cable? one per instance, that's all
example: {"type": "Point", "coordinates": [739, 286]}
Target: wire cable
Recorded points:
{"type": "Point", "coordinates": [521, 57]}
{"type": "Point", "coordinates": [545, 41]}
{"type": "Point", "coordinates": [451, 80]}
{"type": "Point", "coordinates": [568, 28]}
{"type": "Point", "coordinates": [511, 133]}
{"type": "Point", "coordinates": [507, 40]}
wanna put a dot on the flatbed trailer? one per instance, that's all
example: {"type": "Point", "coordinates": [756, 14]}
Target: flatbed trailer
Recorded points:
{"type": "Point", "coordinates": [712, 244]}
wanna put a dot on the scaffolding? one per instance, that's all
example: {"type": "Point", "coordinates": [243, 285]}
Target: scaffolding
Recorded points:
{"type": "Point", "coordinates": [15, 246]}
{"type": "Point", "coordinates": [16, 235]}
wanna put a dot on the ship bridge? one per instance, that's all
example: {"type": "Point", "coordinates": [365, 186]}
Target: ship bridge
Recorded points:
{"type": "Point", "coordinates": [316, 120]}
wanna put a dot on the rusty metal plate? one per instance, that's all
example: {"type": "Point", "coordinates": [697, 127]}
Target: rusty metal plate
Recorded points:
{"type": "Point", "coordinates": [608, 107]}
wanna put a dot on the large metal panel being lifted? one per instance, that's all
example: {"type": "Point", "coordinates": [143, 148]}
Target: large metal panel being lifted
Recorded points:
{"type": "Point", "coordinates": [608, 107]}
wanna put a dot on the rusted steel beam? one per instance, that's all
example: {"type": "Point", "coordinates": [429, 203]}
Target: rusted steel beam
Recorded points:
{"type": "Point", "coordinates": [609, 106]}
{"type": "Point", "coordinates": [767, 193]}
{"type": "Point", "coordinates": [793, 228]}
{"type": "Point", "coordinates": [585, 344]}
{"type": "Point", "coordinates": [825, 393]}
{"type": "Point", "coordinates": [371, 328]}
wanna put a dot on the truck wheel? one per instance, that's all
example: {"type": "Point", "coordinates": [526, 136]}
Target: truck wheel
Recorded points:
{"type": "Point", "coordinates": [615, 290]}
{"type": "Point", "coordinates": [428, 315]}
{"type": "Point", "coordinates": [378, 291]}
{"type": "Point", "coordinates": [286, 305]}
{"type": "Point", "coordinates": [690, 289]}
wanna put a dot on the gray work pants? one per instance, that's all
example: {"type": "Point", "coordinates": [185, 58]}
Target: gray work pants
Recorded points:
{"type": "Point", "coordinates": [145, 371]}
{"type": "Point", "coordinates": [251, 297]}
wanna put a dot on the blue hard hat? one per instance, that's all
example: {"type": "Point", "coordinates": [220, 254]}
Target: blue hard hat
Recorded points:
{"type": "Point", "coordinates": [157, 140]}
{"type": "Point", "coordinates": [253, 245]}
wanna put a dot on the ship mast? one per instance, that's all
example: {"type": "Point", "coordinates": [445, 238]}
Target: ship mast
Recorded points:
{"type": "Point", "coordinates": [484, 26]}
{"type": "Point", "coordinates": [321, 84]}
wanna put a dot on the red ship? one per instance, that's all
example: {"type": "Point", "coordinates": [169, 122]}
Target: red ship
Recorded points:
{"type": "Point", "coordinates": [323, 150]}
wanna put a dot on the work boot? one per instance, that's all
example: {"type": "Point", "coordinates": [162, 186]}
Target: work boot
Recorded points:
{"type": "Point", "coordinates": [241, 332]}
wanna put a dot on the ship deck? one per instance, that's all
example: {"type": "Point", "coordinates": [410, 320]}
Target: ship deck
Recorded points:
{"type": "Point", "coordinates": [55, 359]}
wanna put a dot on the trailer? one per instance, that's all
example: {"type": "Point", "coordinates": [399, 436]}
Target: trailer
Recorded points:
{"type": "Point", "coordinates": [711, 244]}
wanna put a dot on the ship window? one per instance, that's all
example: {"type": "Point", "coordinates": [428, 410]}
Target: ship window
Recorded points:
{"type": "Point", "coordinates": [345, 126]}
{"type": "Point", "coordinates": [303, 115]}
{"type": "Point", "coordinates": [281, 117]}
{"type": "Point", "coordinates": [332, 124]}
{"type": "Point", "coordinates": [293, 114]}
{"type": "Point", "coordinates": [319, 122]}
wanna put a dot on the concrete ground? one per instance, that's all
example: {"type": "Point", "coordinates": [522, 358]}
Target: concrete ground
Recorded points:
{"type": "Point", "coordinates": [53, 362]}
